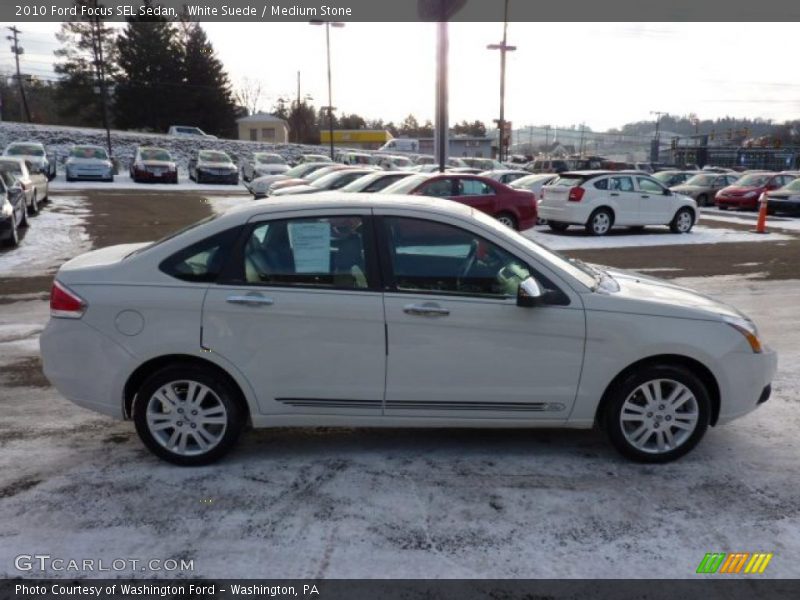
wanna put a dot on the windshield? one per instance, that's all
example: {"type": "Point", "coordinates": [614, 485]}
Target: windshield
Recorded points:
{"type": "Point", "coordinates": [211, 156]}
{"type": "Point", "coordinates": [154, 154]}
{"type": "Point", "coordinates": [794, 186]}
{"type": "Point", "coordinates": [25, 150]}
{"type": "Point", "coordinates": [404, 186]}
{"type": "Point", "coordinates": [753, 180]}
{"type": "Point", "coordinates": [88, 152]}
{"type": "Point", "coordinates": [265, 158]}
{"type": "Point", "coordinates": [664, 176]}
{"type": "Point", "coordinates": [402, 162]}
{"type": "Point", "coordinates": [701, 180]}
{"type": "Point", "coordinates": [326, 180]}
{"type": "Point", "coordinates": [529, 180]}
{"type": "Point", "coordinates": [11, 166]}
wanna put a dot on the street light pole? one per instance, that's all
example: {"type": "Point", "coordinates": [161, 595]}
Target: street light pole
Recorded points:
{"type": "Point", "coordinates": [328, 25]}
{"type": "Point", "coordinates": [503, 47]}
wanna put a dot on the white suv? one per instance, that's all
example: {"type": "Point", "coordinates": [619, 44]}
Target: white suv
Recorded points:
{"type": "Point", "coordinates": [599, 200]}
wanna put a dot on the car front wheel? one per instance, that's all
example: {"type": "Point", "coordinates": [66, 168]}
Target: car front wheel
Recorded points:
{"type": "Point", "coordinates": [34, 208]}
{"type": "Point", "coordinates": [187, 416]}
{"type": "Point", "coordinates": [658, 413]}
{"type": "Point", "coordinates": [683, 221]}
{"type": "Point", "coordinates": [507, 219]}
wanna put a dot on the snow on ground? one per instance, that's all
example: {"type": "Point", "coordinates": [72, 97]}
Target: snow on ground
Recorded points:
{"type": "Point", "coordinates": [750, 218]}
{"type": "Point", "coordinates": [59, 140]}
{"type": "Point", "coordinates": [577, 239]}
{"type": "Point", "coordinates": [324, 503]}
{"type": "Point", "coordinates": [123, 181]}
{"type": "Point", "coordinates": [53, 236]}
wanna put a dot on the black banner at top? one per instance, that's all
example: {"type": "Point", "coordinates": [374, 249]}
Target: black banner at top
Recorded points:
{"type": "Point", "coordinates": [276, 11]}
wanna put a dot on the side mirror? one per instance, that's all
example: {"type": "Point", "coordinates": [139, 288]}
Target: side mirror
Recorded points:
{"type": "Point", "coordinates": [529, 293]}
{"type": "Point", "coordinates": [668, 192]}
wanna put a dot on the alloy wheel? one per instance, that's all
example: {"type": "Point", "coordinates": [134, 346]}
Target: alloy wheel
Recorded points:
{"type": "Point", "coordinates": [601, 223]}
{"type": "Point", "coordinates": [659, 416]}
{"type": "Point", "coordinates": [186, 417]}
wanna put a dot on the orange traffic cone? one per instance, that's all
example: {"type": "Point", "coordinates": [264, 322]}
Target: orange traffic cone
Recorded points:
{"type": "Point", "coordinates": [761, 225]}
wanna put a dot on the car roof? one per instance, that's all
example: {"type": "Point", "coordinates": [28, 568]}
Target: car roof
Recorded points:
{"type": "Point", "coordinates": [335, 200]}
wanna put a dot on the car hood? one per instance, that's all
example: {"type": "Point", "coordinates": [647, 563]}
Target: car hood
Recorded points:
{"type": "Point", "coordinates": [76, 160]}
{"type": "Point", "coordinates": [158, 163]}
{"type": "Point", "coordinates": [738, 189]}
{"type": "Point", "coordinates": [297, 189]}
{"type": "Point", "coordinates": [271, 167]}
{"type": "Point", "coordinates": [632, 292]}
{"type": "Point", "coordinates": [688, 189]}
{"type": "Point", "coordinates": [36, 160]}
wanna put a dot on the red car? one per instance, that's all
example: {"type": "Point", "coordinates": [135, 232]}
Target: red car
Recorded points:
{"type": "Point", "coordinates": [748, 189]}
{"type": "Point", "coordinates": [153, 164]}
{"type": "Point", "coordinates": [512, 207]}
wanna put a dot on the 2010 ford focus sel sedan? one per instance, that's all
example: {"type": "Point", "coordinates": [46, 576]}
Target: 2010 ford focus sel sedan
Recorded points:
{"type": "Point", "coordinates": [371, 310]}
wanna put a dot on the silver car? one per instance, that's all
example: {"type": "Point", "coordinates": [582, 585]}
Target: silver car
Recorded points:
{"type": "Point", "coordinates": [32, 182]}
{"type": "Point", "coordinates": [389, 311]}
{"type": "Point", "coordinates": [89, 162]}
{"type": "Point", "coordinates": [36, 154]}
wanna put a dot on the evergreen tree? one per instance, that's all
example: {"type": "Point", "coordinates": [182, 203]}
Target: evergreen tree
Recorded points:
{"type": "Point", "coordinates": [302, 124]}
{"type": "Point", "coordinates": [87, 53]}
{"type": "Point", "coordinates": [149, 93]}
{"type": "Point", "coordinates": [208, 99]}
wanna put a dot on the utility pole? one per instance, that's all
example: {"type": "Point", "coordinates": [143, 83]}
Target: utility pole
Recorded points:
{"type": "Point", "coordinates": [100, 74]}
{"type": "Point", "coordinates": [656, 143]}
{"type": "Point", "coordinates": [503, 47]}
{"type": "Point", "coordinates": [328, 25]}
{"type": "Point", "coordinates": [583, 130]}
{"type": "Point", "coordinates": [546, 135]}
{"type": "Point", "coordinates": [530, 140]}
{"type": "Point", "coordinates": [17, 51]}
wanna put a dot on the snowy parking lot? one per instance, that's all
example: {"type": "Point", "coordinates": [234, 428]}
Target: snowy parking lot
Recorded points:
{"type": "Point", "coordinates": [341, 503]}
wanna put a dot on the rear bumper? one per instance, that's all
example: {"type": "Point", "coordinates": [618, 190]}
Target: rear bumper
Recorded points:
{"type": "Point", "coordinates": [569, 212]}
{"type": "Point", "coordinates": [70, 348]}
{"type": "Point", "coordinates": [783, 205]}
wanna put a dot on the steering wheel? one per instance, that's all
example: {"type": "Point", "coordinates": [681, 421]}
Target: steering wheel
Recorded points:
{"type": "Point", "coordinates": [470, 259]}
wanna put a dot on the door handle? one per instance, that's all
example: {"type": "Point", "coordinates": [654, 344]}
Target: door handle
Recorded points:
{"type": "Point", "coordinates": [645, 196]}
{"type": "Point", "coordinates": [428, 309]}
{"type": "Point", "coordinates": [250, 300]}
{"type": "Point", "coordinates": [613, 194]}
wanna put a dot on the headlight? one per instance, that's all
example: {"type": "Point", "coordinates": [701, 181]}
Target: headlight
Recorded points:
{"type": "Point", "coordinates": [748, 329]}
{"type": "Point", "coordinates": [6, 210]}
{"type": "Point", "coordinates": [751, 194]}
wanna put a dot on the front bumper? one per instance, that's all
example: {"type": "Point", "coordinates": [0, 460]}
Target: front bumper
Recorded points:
{"type": "Point", "coordinates": [166, 176]}
{"type": "Point", "coordinates": [744, 382]}
{"type": "Point", "coordinates": [783, 205]}
{"type": "Point", "coordinates": [737, 201]}
{"type": "Point", "coordinates": [211, 177]}
{"type": "Point", "coordinates": [91, 174]}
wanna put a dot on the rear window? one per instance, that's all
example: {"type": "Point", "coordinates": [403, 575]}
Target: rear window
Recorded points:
{"type": "Point", "coordinates": [601, 184]}
{"type": "Point", "coordinates": [25, 150]}
{"type": "Point", "coordinates": [202, 261]}
{"type": "Point", "coordinates": [211, 156]}
{"type": "Point", "coordinates": [154, 154]}
{"type": "Point", "coordinates": [568, 181]}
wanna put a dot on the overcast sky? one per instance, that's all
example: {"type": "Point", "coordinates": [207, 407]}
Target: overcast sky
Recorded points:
{"type": "Point", "coordinates": [602, 74]}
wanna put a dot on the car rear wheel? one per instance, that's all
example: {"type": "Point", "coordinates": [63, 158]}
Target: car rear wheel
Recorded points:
{"type": "Point", "coordinates": [600, 222]}
{"type": "Point", "coordinates": [187, 416]}
{"type": "Point", "coordinates": [507, 219]}
{"type": "Point", "coordinates": [34, 209]}
{"type": "Point", "coordinates": [683, 221]}
{"type": "Point", "coordinates": [557, 226]}
{"type": "Point", "coordinates": [13, 235]}
{"type": "Point", "coordinates": [658, 413]}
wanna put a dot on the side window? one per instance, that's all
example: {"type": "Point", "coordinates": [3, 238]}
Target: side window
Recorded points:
{"type": "Point", "coordinates": [473, 187]}
{"type": "Point", "coordinates": [381, 183]}
{"type": "Point", "coordinates": [440, 188]}
{"type": "Point", "coordinates": [720, 182]}
{"type": "Point", "coordinates": [601, 184]}
{"type": "Point", "coordinates": [202, 261]}
{"type": "Point", "coordinates": [621, 184]}
{"type": "Point", "coordinates": [427, 256]}
{"type": "Point", "coordinates": [321, 252]}
{"type": "Point", "coordinates": [648, 185]}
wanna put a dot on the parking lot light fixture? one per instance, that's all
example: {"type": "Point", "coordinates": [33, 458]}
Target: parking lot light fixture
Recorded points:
{"type": "Point", "coordinates": [328, 25]}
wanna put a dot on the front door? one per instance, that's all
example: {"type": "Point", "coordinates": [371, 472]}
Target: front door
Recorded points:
{"type": "Point", "coordinates": [300, 315]}
{"type": "Point", "coordinates": [458, 345]}
{"type": "Point", "coordinates": [655, 207]}
{"type": "Point", "coordinates": [624, 199]}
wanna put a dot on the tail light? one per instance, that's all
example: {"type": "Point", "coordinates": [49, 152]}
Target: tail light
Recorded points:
{"type": "Point", "coordinates": [576, 194]}
{"type": "Point", "coordinates": [64, 303]}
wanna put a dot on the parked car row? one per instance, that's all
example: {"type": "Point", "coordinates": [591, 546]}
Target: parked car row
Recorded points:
{"type": "Point", "coordinates": [23, 188]}
{"type": "Point", "coordinates": [734, 190]}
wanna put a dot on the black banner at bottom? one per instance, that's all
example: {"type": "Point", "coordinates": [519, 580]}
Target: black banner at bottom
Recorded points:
{"type": "Point", "coordinates": [408, 589]}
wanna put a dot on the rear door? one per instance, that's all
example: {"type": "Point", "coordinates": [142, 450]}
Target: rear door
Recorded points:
{"type": "Point", "coordinates": [624, 199]}
{"type": "Point", "coordinates": [475, 193]}
{"type": "Point", "coordinates": [300, 314]}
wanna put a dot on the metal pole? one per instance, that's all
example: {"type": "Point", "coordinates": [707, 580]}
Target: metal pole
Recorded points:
{"type": "Point", "coordinates": [100, 74]}
{"type": "Point", "coordinates": [330, 93]}
{"type": "Point", "coordinates": [442, 126]}
{"type": "Point", "coordinates": [502, 123]}
{"type": "Point", "coordinates": [16, 50]}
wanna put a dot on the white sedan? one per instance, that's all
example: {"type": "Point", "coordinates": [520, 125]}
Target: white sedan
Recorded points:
{"type": "Point", "coordinates": [389, 311]}
{"type": "Point", "coordinates": [600, 200]}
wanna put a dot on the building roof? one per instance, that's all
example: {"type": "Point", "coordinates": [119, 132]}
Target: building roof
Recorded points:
{"type": "Point", "coordinates": [260, 118]}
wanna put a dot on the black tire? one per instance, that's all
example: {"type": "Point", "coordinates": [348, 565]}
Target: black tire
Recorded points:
{"type": "Point", "coordinates": [508, 219]}
{"type": "Point", "coordinates": [12, 240]}
{"type": "Point", "coordinates": [618, 395]}
{"type": "Point", "coordinates": [557, 225]}
{"type": "Point", "coordinates": [222, 390]}
{"type": "Point", "coordinates": [679, 221]}
{"type": "Point", "coordinates": [23, 222]}
{"type": "Point", "coordinates": [702, 200]}
{"type": "Point", "coordinates": [198, 178]}
{"type": "Point", "coordinates": [600, 221]}
{"type": "Point", "coordinates": [70, 179]}
{"type": "Point", "coordinates": [34, 208]}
